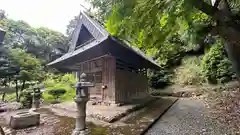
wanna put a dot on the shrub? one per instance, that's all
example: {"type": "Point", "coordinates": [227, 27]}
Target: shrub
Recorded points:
{"type": "Point", "coordinates": [215, 65]}
{"type": "Point", "coordinates": [56, 93]}
{"type": "Point", "coordinates": [56, 82]}
{"type": "Point", "coordinates": [189, 73]}
{"type": "Point", "coordinates": [159, 79]}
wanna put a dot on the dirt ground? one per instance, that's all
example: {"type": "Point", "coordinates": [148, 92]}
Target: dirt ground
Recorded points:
{"type": "Point", "coordinates": [61, 122]}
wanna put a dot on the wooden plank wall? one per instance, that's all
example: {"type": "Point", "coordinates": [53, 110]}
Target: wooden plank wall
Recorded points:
{"type": "Point", "coordinates": [92, 66]}
{"type": "Point", "coordinates": [109, 67]}
{"type": "Point", "coordinates": [130, 86]}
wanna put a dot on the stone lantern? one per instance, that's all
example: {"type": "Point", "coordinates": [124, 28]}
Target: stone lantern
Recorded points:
{"type": "Point", "coordinates": [81, 99]}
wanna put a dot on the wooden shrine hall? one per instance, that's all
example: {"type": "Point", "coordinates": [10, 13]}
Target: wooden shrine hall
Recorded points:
{"type": "Point", "coordinates": [117, 69]}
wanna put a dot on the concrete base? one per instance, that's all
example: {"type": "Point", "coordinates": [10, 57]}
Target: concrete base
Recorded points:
{"type": "Point", "coordinates": [24, 120]}
{"type": "Point", "coordinates": [81, 132]}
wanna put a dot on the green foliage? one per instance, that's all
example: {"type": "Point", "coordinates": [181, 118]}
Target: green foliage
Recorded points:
{"type": "Point", "coordinates": [10, 97]}
{"type": "Point", "coordinates": [27, 97]}
{"type": "Point", "coordinates": [54, 82]}
{"type": "Point", "coordinates": [43, 43]}
{"type": "Point", "coordinates": [215, 65]}
{"type": "Point", "coordinates": [160, 79]}
{"type": "Point", "coordinates": [30, 67]}
{"type": "Point", "coordinates": [57, 93]}
{"type": "Point", "coordinates": [189, 73]}
{"type": "Point", "coordinates": [72, 25]}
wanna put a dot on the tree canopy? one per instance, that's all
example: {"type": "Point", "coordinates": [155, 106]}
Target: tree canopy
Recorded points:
{"type": "Point", "coordinates": [25, 51]}
{"type": "Point", "coordinates": [176, 27]}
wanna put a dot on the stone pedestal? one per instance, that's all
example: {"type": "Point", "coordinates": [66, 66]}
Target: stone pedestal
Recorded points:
{"type": "Point", "coordinates": [35, 100]}
{"type": "Point", "coordinates": [81, 99]}
{"type": "Point", "coordinates": [80, 128]}
{"type": "Point", "coordinates": [24, 120]}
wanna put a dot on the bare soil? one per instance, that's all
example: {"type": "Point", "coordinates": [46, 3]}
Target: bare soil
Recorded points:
{"type": "Point", "coordinates": [224, 104]}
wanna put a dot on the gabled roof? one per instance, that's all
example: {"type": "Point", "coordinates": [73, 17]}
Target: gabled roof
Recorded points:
{"type": "Point", "coordinates": [93, 27]}
{"type": "Point", "coordinates": [100, 36]}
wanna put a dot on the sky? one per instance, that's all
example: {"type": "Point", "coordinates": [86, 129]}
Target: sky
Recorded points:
{"type": "Point", "coordinates": [54, 14]}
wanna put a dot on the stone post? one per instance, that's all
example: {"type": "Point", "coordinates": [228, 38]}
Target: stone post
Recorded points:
{"type": "Point", "coordinates": [35, 100]}
{"type": "Point", "coordinates": [81, 99]}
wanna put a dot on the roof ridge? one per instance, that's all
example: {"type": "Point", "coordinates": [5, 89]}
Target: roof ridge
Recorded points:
{"type": "Point", "coordinates": [96, 24]}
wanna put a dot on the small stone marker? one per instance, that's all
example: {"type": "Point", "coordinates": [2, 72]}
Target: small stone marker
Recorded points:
{"type": "Point", "coordinates": [24, 120]}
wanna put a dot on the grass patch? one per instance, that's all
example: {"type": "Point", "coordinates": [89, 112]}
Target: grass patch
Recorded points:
{"type": "Point", "coordinates": [10, 97]}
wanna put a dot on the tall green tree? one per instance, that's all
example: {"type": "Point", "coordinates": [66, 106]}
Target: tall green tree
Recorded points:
{"type": "Point", "coordinates": [194, 21]}
{"type": "Point", "coordinates": [42, 42]}
{"type": "Point", "coordinates": [31, 69]}
{"type": "Point", "coordinates": [53, 44]}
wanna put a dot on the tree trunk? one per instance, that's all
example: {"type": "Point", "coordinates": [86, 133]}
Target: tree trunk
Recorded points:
{"type": "Point", "coordinates": [23, 85]}
{"type": "Point", "coordinates": [228, 29]}
{"type": "Point", "coordinates": [233, 52]}
{"type": "Point", "coordinates": [16, 86]}
{"type": "Point", "coordinates": [3, 96]}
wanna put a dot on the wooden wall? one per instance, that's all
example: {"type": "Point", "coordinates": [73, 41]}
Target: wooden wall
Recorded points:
{"type": "Point", "coordinates": [109, 67]}
{"type": "Point", "coordinates": [105, 65]}
{"type": "Point", "coordinates": [122, 85]}
{"type": "Point", "coordinates": [130, 86]}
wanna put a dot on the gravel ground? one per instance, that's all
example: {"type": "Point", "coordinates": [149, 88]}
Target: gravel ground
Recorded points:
{"type": "Point", "coordinates": [187, 117]}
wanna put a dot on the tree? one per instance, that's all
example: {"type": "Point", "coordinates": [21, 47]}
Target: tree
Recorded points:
{"type": "Point", "coordinates": [31, 69]}
{"type": "Point", "coordinates": [104, 7]}
{"type": "Point", "coordinates": [194, 21]}
{"type": "Point", "coordinates": [71, 26]}
{"type": "Point", "coordinates": [53, 44]}
{"type": "Point", "coordinates": [2, 14]}
{"type": "Point", "coordinates": [6, 69]}
{"type": "Point", "coordinates": [43, 43]}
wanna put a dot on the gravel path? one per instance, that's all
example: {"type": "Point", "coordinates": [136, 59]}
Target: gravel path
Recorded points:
{"type": "Point", "coordinates": [187, 117]}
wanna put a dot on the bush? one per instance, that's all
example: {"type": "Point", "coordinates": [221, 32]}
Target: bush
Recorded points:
{"type": "Point", "coordinates": [159, 79]}
{"type": "Point", "coordinates": [189, 73]}
{"type": "Point", "coordinates": [57, 93]}
{"type": "Point", "coordinates": [56, 82]}
{"type": "Point", "coordinates": [215, 65]}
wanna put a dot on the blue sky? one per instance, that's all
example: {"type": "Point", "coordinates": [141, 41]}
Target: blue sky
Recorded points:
{"type": "Point", "coordinates": [54, 14]}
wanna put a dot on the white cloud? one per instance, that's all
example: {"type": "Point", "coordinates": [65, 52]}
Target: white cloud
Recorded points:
{"type": "Point", "coordinates": [54, 14]}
